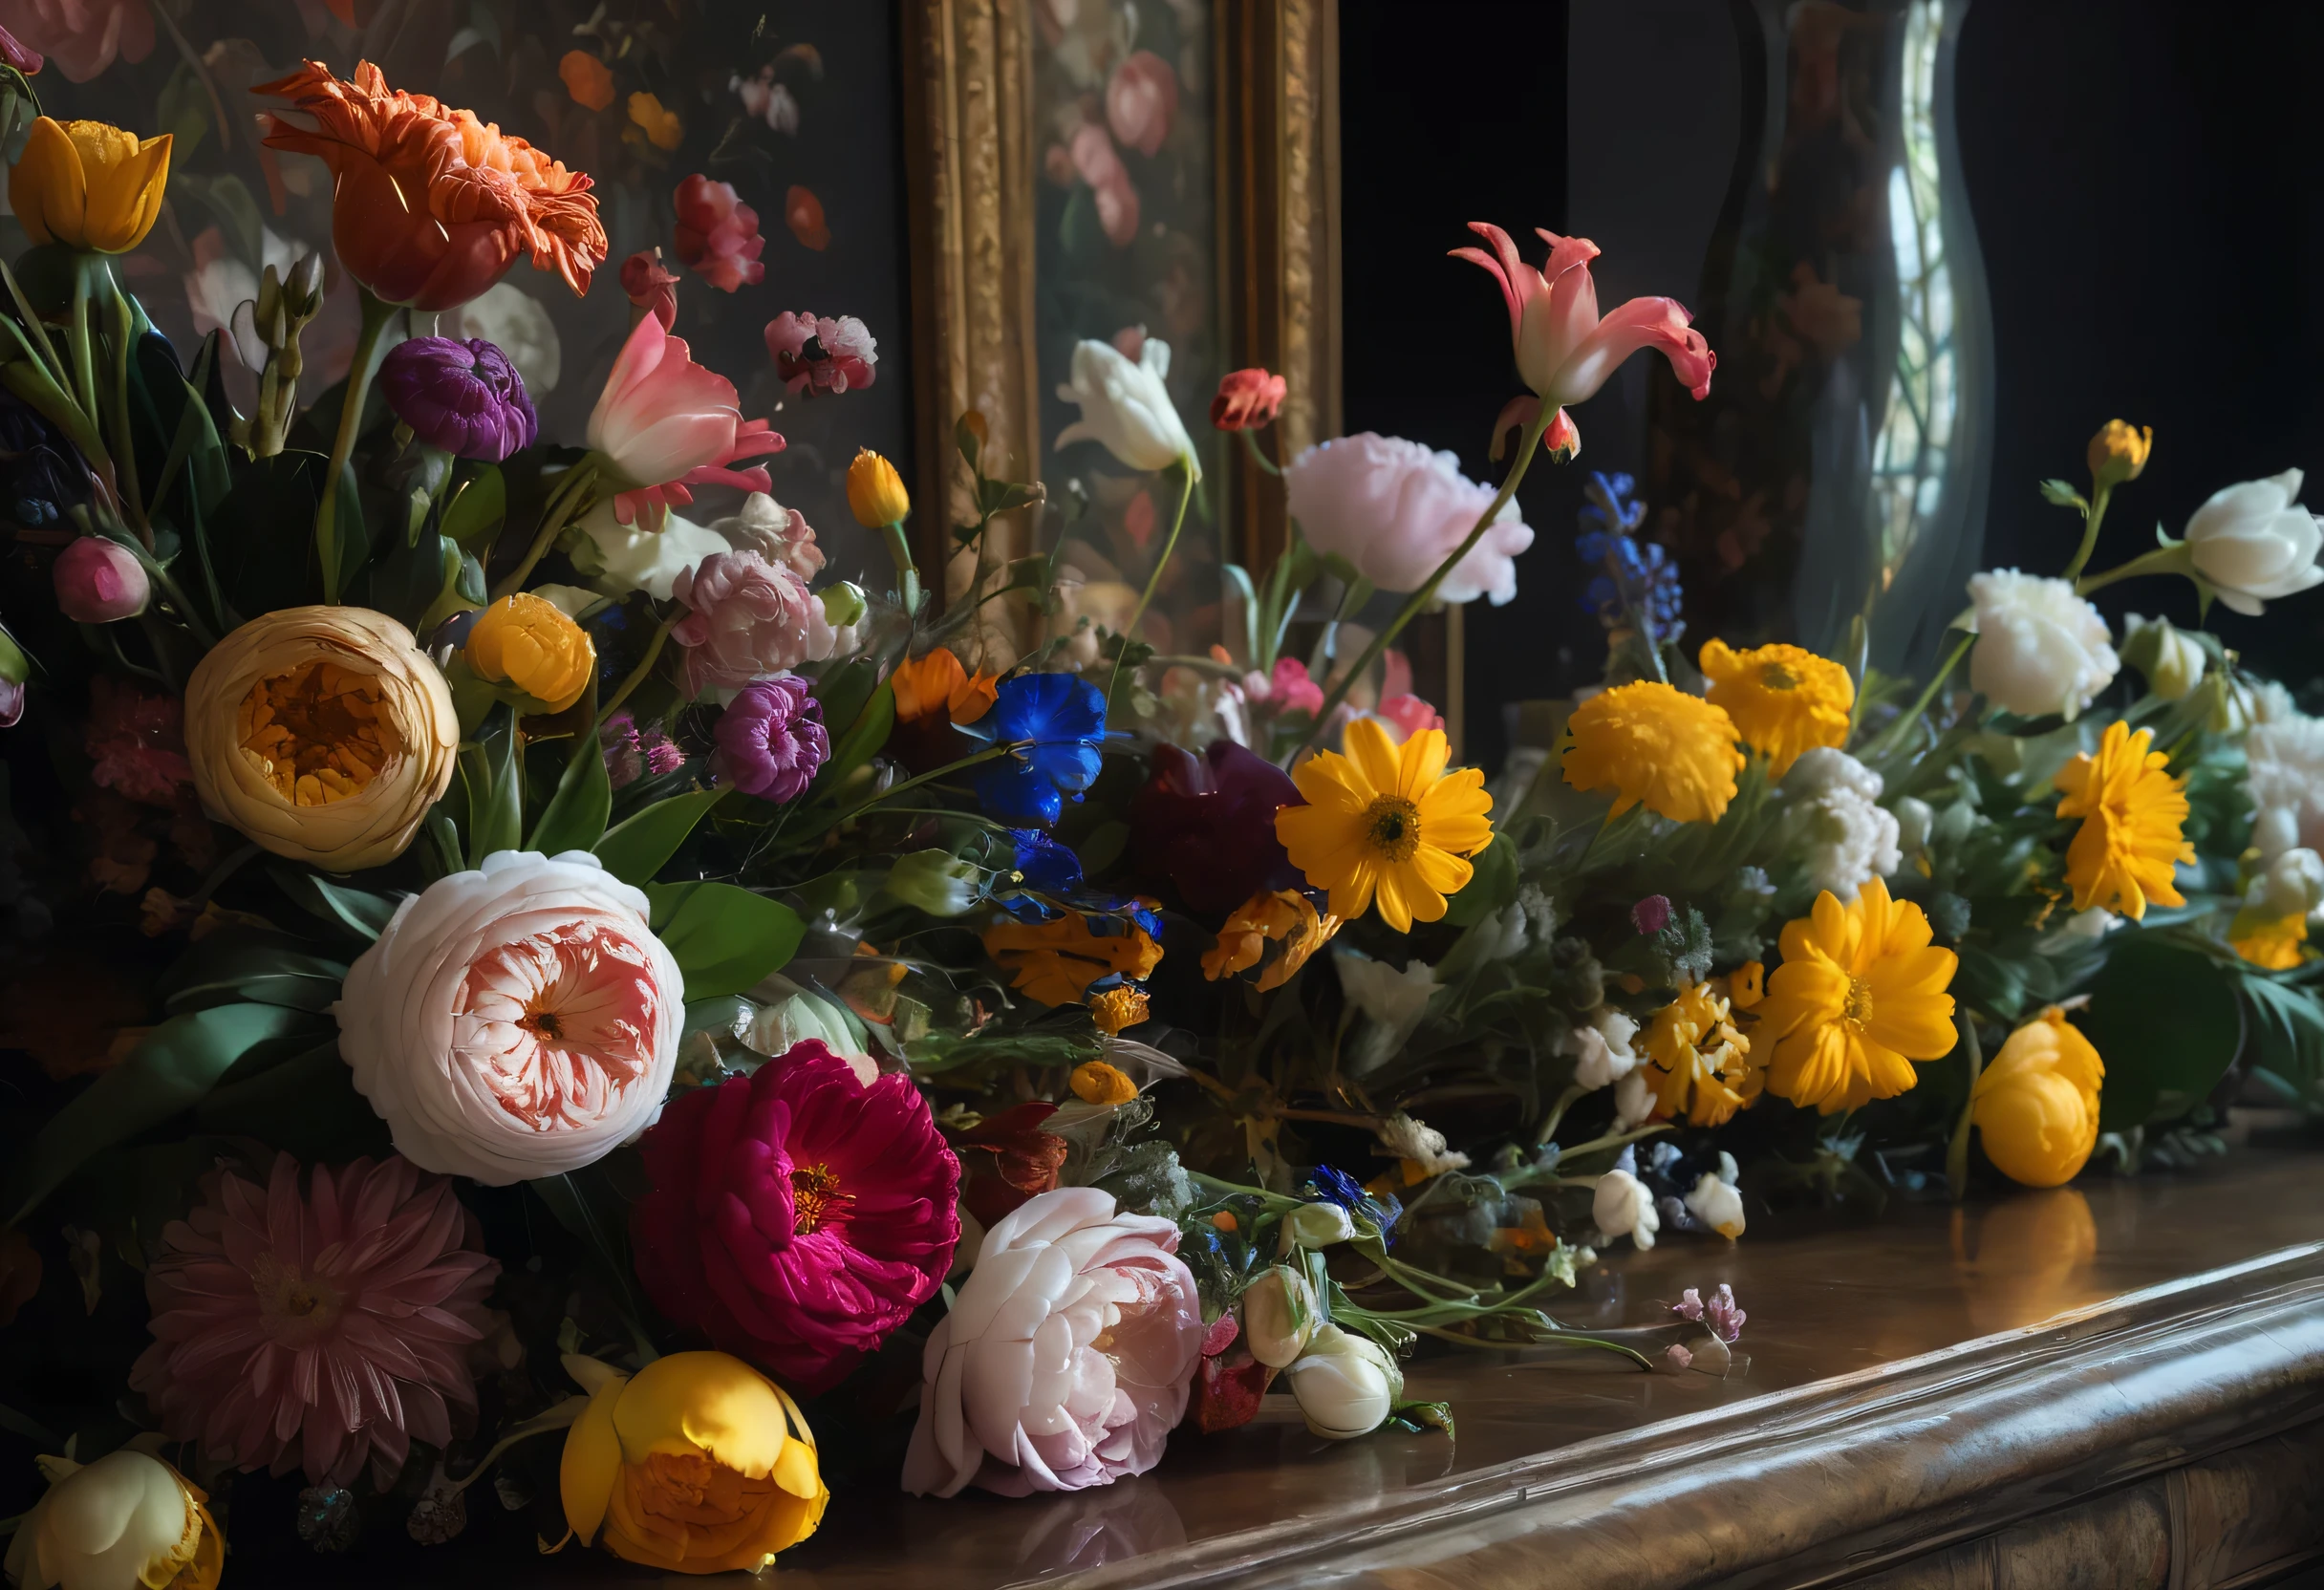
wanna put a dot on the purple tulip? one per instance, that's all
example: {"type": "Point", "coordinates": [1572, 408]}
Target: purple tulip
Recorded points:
{"type": "Point", "coordinates": [464, 397]}
{"type": "Point", "coordinates": [771, 739]}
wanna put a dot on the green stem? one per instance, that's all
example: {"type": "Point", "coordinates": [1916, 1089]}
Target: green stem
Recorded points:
{"type": "Point", "coordinates": [1250, 440]}
{"type": "Point", "coordinates": [1956, 1156]}
{"type": "Point", "coordinates": [84, 362]}
{"type": "Point", "coordinates": [1928, 693]}
{"type": "Point", "coordinates": [1154, 581]}
{"type": "Point", "coordinates": [1557, 1113]}
{"type": "Point", "coordinates": [2163, 560]}
{"type": "Point", "coordinates": [564, 506]}
{"type": "Point", "coordinates": [359, 374]}
{"type": "Point", "coordinates": [638, 675]}
{"type": "Point", "coordinates": [1557, 1339]}
{"type": "Point", "coordinates": [986, 755]}
{"type": "Point", "coordinates": [123, 332]}
{"type": "Point", "coordinates": [907, 571]}
{"type": "Point", "coordinates": [2090, 534]}
{"type": "Point", "coordinates": [1419, 600]}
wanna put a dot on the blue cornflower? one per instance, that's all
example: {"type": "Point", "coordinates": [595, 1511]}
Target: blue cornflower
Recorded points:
{"type": "Point", "coordinates": [1338, 1187]}
{"type": "Point", "coordinates": [1053, 724]}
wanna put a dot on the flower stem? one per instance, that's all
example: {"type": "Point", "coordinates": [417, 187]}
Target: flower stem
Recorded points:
{"type": "Point", "coordinates": [368, 354]}
{"type": "Point", "coordinates": [122, 330]}
{"type": "Point", "coordinates": [564, 506]}
{"type": "Point", "coordinates": [929, 777]}
{"type": "Point", "coordinates": [1419, 600]}
{"type": "Point", "coordinates": [1250, 440]}
{"type": "Point", "coordinates": [638, 675]}
{"type": "Point", "coordinates": [2163, 560]}
{"type": "Point", "coordinates": [2090, 534]}
{"type": "Point", "coordinates": [1154, 581]}
{"type": "Point", "coordinates": [1928, 693]}
{"type": "Point", "coordinates": [1956, 1156]}
{"type": "Point", "coordinates": [907, 571]}
{"type": "Point", "coordinates": [1557, 1113]}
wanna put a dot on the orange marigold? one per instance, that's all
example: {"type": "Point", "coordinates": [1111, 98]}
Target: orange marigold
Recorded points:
{"type": "Point", "coordinates": [431, 206]}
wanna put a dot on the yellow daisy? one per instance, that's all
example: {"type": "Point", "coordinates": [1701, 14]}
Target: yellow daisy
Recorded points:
{"type": "Point", "coordinates": [1784, 700]}
{"type": "Point", "coordinates": [1860, 995]}
{"type": "Point", "coordinates": [2271, 943]}
{"type": "Point", "coordinates": [1699, 1066]}
{"type": "Point", "coordinates": [1657, 746]}
{"type": "Point", "coordinates": [2131, 811]}
{"type": "Point", "coordinates": [1386, 823]}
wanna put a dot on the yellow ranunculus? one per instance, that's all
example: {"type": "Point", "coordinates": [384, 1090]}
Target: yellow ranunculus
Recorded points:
{"type": "Point", "coordinates": [2118, 453]}
{"type": "Point", "coordinates": [2036, 1106]}
{"type": "Point", "coordinates": [124, 1523]}
{"type": "Point", "coordinates": [1784, 701]}
{"type": "Point", "coordinates": [323, 733]}
{"type": "Point", "coordinates": [1096, 1082]}
{"type": "Point", "coordinates": [529, 642]}
{"type": "Point", "coordinates": [875, 491]}
{"type": "Point", "coordinates": [1653, 746]}
{"type": "Point", "coordinates": [696, 1464]}
{"type": "Point", "coordinates": [89, 185]}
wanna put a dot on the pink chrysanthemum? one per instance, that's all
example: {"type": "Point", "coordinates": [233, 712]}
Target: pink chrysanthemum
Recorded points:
{"type": "Point", "coordinates": [797, 1216]}
{"type": "Point", "coordinates": [314, 1332]}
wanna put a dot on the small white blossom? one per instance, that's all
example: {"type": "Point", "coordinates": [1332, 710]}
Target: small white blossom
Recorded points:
{"type": "Point", "coordinates": [1600, 1047]}
{"type": "Point", "coordinates": [2292, 884]}
{"type": "Point", "coordinates": [1717, 1204]}
{"type": "Point", "coordinates": [1623, 1206]}
{"type": "Point", "coordinates": [1836, 826]}
{"type": "Point", "coordinates": [2078, 930]}
{"type": "Point", "coordinates": [1420, 1143]}
{"type": "Point", "coordinates": [2172, 660]}
{"type": "Point", "coordinates": [2285, 752]}
{"type": "Point", "coordinates": [1633, 1101]}
{"type": "Point", "coordinates": [1915, 822]}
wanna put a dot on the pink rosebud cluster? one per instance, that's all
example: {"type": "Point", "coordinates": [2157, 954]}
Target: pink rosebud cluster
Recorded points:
{"type": "Point", "coordinates": [747, 619]}
{"type": "Point", "coordinates": [718, 234]}
{"type": "Point", "coordinates": [817, 354]}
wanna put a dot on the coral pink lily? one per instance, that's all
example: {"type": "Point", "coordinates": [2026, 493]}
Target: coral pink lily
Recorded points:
{"type": "Point", "coordinates": [664, 424]}
{"type": "Point", "coordinates": [1565, 349]}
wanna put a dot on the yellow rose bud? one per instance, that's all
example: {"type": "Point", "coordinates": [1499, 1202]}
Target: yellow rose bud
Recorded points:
{"type": "Point", "coordinates": [127, 1519]}
{"type": "Point", "coordinates": [323, 733]}
{"type": "Point", "coordinates": [696, 1464]}
{"type": "Point", "coordinates": [1097, 1083]}
{"type": "Point", "coordinates": [2036, 1106]}
{"type": "Point", "coordinates": [529, 642]}
{"type": "Point", "coordinates": [89, 185]}
{"type": "Point", "coordinates": [2118, 453]}
{"type": "Point", "coordinates": [875, 491]}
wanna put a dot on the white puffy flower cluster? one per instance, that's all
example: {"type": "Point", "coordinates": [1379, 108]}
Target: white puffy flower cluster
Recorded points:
{"type": "Point", "coordinates": [1835, 823]}
{"type": "Point", "coordinates": [2285, 751]}
{"type": "Point", "coordinates": [2291, 884]}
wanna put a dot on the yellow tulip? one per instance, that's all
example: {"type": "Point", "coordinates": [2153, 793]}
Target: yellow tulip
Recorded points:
{"type": "Point", "coordinates": [89, 185]}
{"type": "Point", "coordinates": [2037, 1104]}
{"type": "Point", "coordinates": [875, 491]}
{"type": "Point", "coordinates": [696, 1464]}
{"type": "Point", "coordinates": [529, 642]}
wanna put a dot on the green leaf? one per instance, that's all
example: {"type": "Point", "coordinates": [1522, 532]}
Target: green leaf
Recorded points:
{"type": "Point", "coordinates": [360, 912]}
{"type": "Point", "coordinates": [2061, 495]}
{"type": "Point", "coordinates": [635, 848]}
{"type": "Point", "coordinates": [2164, 1020]}
{"type": "Point", "coordinates": [725, 938]}
{"type": "Point", "coordinates": [2287, 1040]}
{"type": "Point", "coordinates": [307, 1105]}
{"type": "Point", "coordinates": [1492, 885]}
{"type": "Point", "coordinates": [184, 110]}
{"type": "Point", "coordinates": [964, 437]}
{"type": "Point", "coordinates": [575, 816]}
{"type": "Point", "coordinates": [252, 965]}
{"type": "Point", "coordinates": [347, 520]}
{"type": "Point", "coordinates": [170, 1071]}
{"type": "Point", "coordinates": [474, 516]}
{"type": "Point", "coordinates": [496, 794]}
{"type": "Point", "coordinates": [862, 739]}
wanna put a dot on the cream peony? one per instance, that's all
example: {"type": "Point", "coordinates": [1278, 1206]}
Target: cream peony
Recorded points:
{"type": "Point", "coordinates": [122, 1522]}
{"type": "Point", "coordinates": [1065, 1360]}
{"type": "Point", "coordinates": [2255, 543]}
{"type": "Point", "coordinates": [1396, 509]}
{"type": "Point", "coordinates": [2041, 648]}
{"type": "Point", "coordinates": [1346, 1384]}
{"type": "Point", "coordinates": [323, 733]}
{"type": "Point", "coordinates": [517, 1021]}
{"type": "Point", "coordinates": [1126, 406]}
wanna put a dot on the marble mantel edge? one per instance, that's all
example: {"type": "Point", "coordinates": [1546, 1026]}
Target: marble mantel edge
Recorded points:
{"type": "Point", "coordinates": [1832, 1481]}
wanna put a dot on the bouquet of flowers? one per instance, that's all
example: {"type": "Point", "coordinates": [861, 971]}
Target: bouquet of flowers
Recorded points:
{"type": "Point", "coordinates": [611, 1006]}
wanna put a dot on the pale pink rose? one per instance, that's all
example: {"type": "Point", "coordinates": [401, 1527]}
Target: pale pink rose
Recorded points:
{"type": "Point", "coordinates": [1288, 689]}
{"type": "Point", "coordinates": [1066, 1358]}
{"type": "Point", "coordinates": [81, 37]}
{"type": "Point", "coordinates": [1142, 101]}
{"type": "Point", "coordinates": [1395, 510]}
{"type": "Point", "coordinates": [747, 619]}
{"type": "Point", "coordinates": [1407, 715]}
{"type": "Point", "coordinates": [1097, 163]}
{"type": "Point", "coordinates": [517, 1021]}
{"type": "Point", "coordinates": [1564, 351]}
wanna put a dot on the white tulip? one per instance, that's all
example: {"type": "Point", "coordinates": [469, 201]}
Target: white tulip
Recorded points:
{"type": "Point", "coordinates": [2041, 648]}
{"type": "Point", "coordinates": [2254, 543]}
{"type": "Point", "coordinates": [1623, 1206]}
{"type": "Point", "coordinates": [1279, 1316]}
{"type": "Point", "coordinates": [2172, 660]}
{"type": "Point", "coordinates": [1126, 406]}
{"type": "Point", "coordinates": [124, 1521]}
{"type": "Point", "coordinates": [1718, 1205]}
{"type": "Point", "coordinates": [1346, 1384]}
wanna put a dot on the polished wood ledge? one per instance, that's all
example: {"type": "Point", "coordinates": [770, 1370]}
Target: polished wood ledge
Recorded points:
{"type": "Point", "coordinates": [2116, 1384]}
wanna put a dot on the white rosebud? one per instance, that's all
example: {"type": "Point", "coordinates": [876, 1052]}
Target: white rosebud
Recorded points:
{"type": "Point", "coordinates": [1279, 1316]}
{"type": "Point", "coordinates": [2041, 648]}
{"type": "Point", "coordinates": [1623, 1206]}
{"type": "Point", "coordinates": [1346, 1384]}
{"type": "Point", "coordinates": [1317, 1224]}
{"type": "Point", "coordinates": [1717, 1204]}
{"type": "Point", "coordinates": [2172, 660]}
{"type": "Point", "coordinates": [2254, 543]}
{"type": "Point", "coordinates": [1125, 407]}
{"type": "Point", "coordinates": [1915, 822]}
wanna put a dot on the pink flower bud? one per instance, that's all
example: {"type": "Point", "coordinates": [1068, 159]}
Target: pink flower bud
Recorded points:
{"type": "Point", "coordinates": [98, 581]}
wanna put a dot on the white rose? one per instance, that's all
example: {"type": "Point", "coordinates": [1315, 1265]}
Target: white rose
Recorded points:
{"type": "Point", "coordinates": [1718, 1205]}
{"type": "Point", "coordinates": [1346, 1384]}
{"type": "Point", "coordinates": [1600, 1047]}
{"type": "Point", "coordinates": [1623, 1206]}
{"type": "Point", "coordinates": [2041, 648]}
{"type": "Point", "coordinates": [1279, 1316]}
{"type": "Point", "coordinates": [121, 1523]}
{"type": "Point", "coordinates": [2254, 543]}
{"type": "Point", "coordinates": [516, 1021]}
{"type": "Point", "coordinates": [1125, 407]}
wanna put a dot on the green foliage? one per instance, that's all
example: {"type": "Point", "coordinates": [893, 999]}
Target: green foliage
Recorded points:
{"type": "Point", "coordinates": [237, 963]}
{"type": "Point", "coordinates": [1492, 887]}
{"type": "Point", "coordinates": [2286, 1037]}
{"type": "Point", "coordinates": [576, 817]}
{"type": "Point", "coordinates": [2165, 1018]}
{"type": "Point", "coordinates": [723, 938]}
{"type": "Point", "coordinates": [635, 848]}
{"type": "Point", "coordinates": [353, 910]}
{"type": "Point", "coordinates": [489, 773]}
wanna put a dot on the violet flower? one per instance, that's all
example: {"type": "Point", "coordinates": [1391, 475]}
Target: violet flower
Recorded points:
{"type": "Point", "coordinates": [1721, 1313]}
{"type": "Point", "coordinates": [771, 739]}
{"type": "Point", "coordinates": [464, 397]}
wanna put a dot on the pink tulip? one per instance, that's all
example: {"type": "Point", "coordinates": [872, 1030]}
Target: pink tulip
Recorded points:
{"type": "Point", "coordinates": [1142, 101]}
{"type": "Point", "coordinates": [664, 424]}
{"type": "Point", "coordinates": [1565, 352]}
{"type": "Point", "coordinates": [98, 581]}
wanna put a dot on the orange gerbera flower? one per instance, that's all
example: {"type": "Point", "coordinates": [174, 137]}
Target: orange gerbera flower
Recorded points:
{"type": "Point", "coordinates": [431, 206]}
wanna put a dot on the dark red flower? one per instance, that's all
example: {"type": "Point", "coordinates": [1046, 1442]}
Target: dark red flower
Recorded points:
{"type": "Point", "coordinates": [1207, 824]}
{"type": "Point", "coordinates": [1227, 1389]}
{"type": "Point", "coordinates": [1008, 1160]}
{"type": "Point", "coordinates": [718, 234]}
{"type": "Point", "coordinates": [1247, 400]}
{"type": "Point", "coordinates": [650, 288]}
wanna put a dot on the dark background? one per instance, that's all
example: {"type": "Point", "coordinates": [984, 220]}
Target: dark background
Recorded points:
{"type": "Point", "coordinates": [2146, 182]}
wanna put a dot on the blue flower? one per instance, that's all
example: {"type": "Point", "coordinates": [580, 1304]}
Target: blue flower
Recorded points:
{"type": "Point", "coordinates": [1053, 724]}
{"type": "Point", "coordinates": [1338, 1187]}
{"type": "Point", "coordinates": [1045, 863]}
{"type": "Point", "coordinates": [1635, 583]}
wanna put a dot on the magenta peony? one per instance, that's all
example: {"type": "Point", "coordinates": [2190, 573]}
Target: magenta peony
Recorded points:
{"type": "Point", "coordinates": [1395, 510]}
{"type": "Point", "coordinates": [747, 619]}
{"type": "Point", "coordinates": [317, 1331]}
{"type": "Point", "coordinates": [797, 1216]}
{"type": "Point", "coordinates": [1070, 1348]}
{"type": "Point", "coordinates": [771, 739]}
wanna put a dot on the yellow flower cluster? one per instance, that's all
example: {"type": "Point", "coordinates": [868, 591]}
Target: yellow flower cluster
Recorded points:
{"type": "Point", "coordinates": [2132, 812]}
{"type": "Point", "coordinates": [1700, 1065]}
